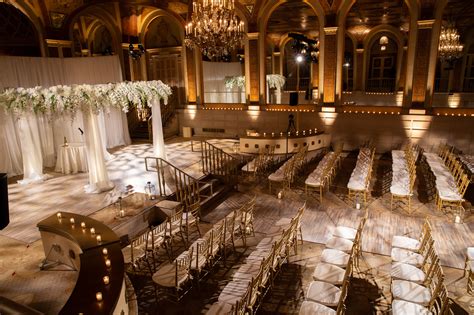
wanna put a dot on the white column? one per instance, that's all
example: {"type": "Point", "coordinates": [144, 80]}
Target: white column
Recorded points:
{"type": "Point", "coordinates": [158, 137]}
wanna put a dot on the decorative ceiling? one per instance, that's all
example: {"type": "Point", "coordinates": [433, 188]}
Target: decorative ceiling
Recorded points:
{"type": "Point", "coordinates": [371, 13]}
{"type": "Point", "coordinates": [462, 13]}
{"type": "Point", "coordinates": [292, 17]}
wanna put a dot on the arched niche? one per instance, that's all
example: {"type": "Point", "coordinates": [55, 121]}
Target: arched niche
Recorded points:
{"type": "Point", "coordinates": [364, 19]}
{"type": "Point", "coordinates": [90, 22]}
{"type": "Point", "coordinates": [18, 35]}
{"type": "Point", "coordinates": [285, 18]}
{"type": "Point", "coordinates": [163, 34]}
{"type": "Point", "coordinates": [382, 59]}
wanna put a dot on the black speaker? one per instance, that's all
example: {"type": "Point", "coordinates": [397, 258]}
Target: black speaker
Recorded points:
{"type": "Point", "coordinates": [4, 213]}
{"type": "Point", "coordinates": [294, 98]}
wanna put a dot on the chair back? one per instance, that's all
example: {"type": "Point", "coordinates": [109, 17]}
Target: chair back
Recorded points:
{"type": "Point", "coordinates": [158, 233]}
{"type": "Point", "coordinates": [183, 267]}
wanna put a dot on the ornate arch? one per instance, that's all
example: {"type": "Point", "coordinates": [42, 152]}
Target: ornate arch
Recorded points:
{"type": "Point", "coordinates": [33, 16]}
{"type": "Point", "coordinates": [264, 15]}
{"type": "Point", "coordinates": [156, 13]}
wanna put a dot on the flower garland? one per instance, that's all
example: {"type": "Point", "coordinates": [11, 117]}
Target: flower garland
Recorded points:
{"type": "Point", "coordinates": [274, 81]}
{"type": "Point", "coordinates": [62, 99]}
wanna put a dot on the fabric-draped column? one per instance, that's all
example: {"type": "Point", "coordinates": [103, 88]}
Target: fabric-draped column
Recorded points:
{"type": "Point", "coordinates": [158, 137]}
{"type": "Point", "coordinates": [98, 177]}
{"type": "Point", "coordinates": [30, 144]}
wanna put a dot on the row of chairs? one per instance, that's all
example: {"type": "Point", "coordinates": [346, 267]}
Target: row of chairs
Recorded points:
{"type": "Point", "coordinates": [286, 173]}
{"type": "Point", "coordinates": [451, 181]}
{"type": "Point", "coordinates": [332, 275]}
{"type": "Point", "coordinates": [359, 181]}
{"type": "Point", "coordinates": [322, 177]}
{"type": "Point", "coordinates": [417, 278]}
{"type": "Point", "coordinates": [244, 293]}
{"type": "Point", "coordinates": [203, 254]}
{"type": "Point", "coordinates": [150, 241]}
{"type": "Point", "coordinates": [403, 175]}
{"type": "Point", "coordinates": [262, 162]}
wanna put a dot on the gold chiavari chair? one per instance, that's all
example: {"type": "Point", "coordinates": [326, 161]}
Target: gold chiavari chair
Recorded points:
{"type": "Point", "coordinates": [136, 252]}
{"type": "Point", "coordinates": [402, 271]}
{"type": "Point", "coordinates": [410, 243]}
{"type": "Point", "coordinates": [252, 304]}
{"type": "Point", "coordinates": [451, 197]}
{"type": "Point", "coordinates": [160, 239]}
{"type": "Point", "coordinates": [191, 218]}
{"type": "Point", "coordinates": [314, 308]}
{"type": "Point", "coordinates": [439, 306]}
{"type": "Point", "coordinates": [416, 293]}
{"type": "Point", "coordinates": [175, 276]}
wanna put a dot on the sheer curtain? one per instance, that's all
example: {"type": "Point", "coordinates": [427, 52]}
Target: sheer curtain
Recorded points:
{"type": "Point", "coordinates": [32, 71]}
{"type": "Point", "coordinates": [214, 74]}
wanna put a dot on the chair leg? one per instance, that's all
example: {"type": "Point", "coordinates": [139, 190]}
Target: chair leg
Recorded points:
{"type": "Point", "coordinates": [391, 203]}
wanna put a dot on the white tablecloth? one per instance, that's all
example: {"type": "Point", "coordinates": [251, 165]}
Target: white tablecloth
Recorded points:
{"type": "Point", "coordinates": [71, 158]}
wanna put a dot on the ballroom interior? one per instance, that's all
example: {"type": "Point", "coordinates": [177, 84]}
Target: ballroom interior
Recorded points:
{"type": "Point", "coordinates": [237, 157]}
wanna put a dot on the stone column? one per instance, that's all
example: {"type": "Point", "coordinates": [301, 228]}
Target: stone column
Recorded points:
{"type": "Point", "coordinates": [422, 62]}
{"type": "Point", "coordinates": [276, 67]}
{"type": "Point", "coordinates": [199, 77]}
{"type": "Point", "coordinates": [253, 87]}
{"type": "Point", "coordinates": [190, 75]}
{"type": "Point", "coordinates": [330, 58]}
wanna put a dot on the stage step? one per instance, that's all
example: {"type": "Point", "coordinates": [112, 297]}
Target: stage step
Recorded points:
{"type": "Point", "coordinates": [213, 193]}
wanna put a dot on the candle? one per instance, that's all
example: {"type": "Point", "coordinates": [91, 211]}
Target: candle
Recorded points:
{"type": "Point", "coordinates": [122, 213]}
{"type": "Point", "coordinates": [83, 225]}
{"type": "Point", "coordinates": [98, 296]}
{"type": "Point", "coordinates": [457, 219]}
{"type": "Point", "coordinates": [98, 238]}
{"type": "Point", "coordinates": [108, 263]}
{"type": "Point", "coordinates": [358, 206]}
{"type": "Point", "coordinates": [58, 215]}
{"type": "Point", "coordinates": [71, 220]}
{"type": "Point", "coordinates": [106, 279]}
{"type": "Point", "coordinates": [92, 231]}
{"type": "Point", "coordinates": [280, 194]}
{"type": "Point", "coordinates": [105, 251]}
{"type": "Point", "coordinates": [273, 134]}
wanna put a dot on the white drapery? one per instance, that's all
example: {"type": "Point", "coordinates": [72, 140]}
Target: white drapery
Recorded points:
{"type": "Point", "coordinates": [215, 91]}
{"type": "Point", "coordinates": [98, 177]}
{"type": "Point", "coordinates": [30, 72]}
{"type": "Point", "coordinates": [158, 137]}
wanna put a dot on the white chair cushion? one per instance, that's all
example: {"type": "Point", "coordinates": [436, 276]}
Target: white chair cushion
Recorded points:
{"type": "Point", "coordinates": [328, 273]}
{"type": "Point", "coordinates": [313, 308]}
{"type": "Point", "coordinates": [335, 257]}
{"type": "Point", "coordinates": [324, 293]}
{"type": "Point", "coordinates": [405, 242]}
{"type": "Point", "coordinates": [407, 272]}
{"type": "Point", "coordinates": [340, 244]}
{"type": "Point", "coordinates": [470, 253]}
{"type": "Point", "coordinates": [345, 232]}
{"type": "Point", "coordinates": [406, 256]}
{"type": "Point", "coordinates": [400, 307]}
{"type": "Point", "coordinates": [234, 291]}
{"type": "Point", "coordinates": [219, 308]}
{"type": "Point", "coordinates": [411, 292]}
{"type": "Point", "coordinates": [165, 276]}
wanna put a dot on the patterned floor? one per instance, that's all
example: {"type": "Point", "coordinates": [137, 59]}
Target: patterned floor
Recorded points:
{"type": "Point", "coordinates": [21, 280]}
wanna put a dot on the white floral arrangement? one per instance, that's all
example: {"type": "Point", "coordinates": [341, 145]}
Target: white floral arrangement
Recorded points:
{"type": "Point", "coordinates": [234, 81]}
{"type": "Point", "coordinates": [275, 81]}
{"type": "Point", "coordinates": [62, 99]}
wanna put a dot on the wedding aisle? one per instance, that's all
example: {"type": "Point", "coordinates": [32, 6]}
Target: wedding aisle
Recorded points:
{"type": "Point", "coordinates": [31, 203]}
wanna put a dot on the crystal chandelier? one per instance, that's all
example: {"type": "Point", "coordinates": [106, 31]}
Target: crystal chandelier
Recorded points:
{"type": "Point", "coordinates": [214, 28]}
{"type": "Point", "coordinates": [450, 48]}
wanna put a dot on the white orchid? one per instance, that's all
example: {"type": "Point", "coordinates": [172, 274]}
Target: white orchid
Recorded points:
{"type": "Point", "coordinates": [61, 99]}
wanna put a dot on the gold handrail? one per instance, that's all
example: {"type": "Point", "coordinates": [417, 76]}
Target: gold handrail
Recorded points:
{"type": "Point", "coordinates": [217, 162]}
{"type": "Point", "coordinates": [187, 187]}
